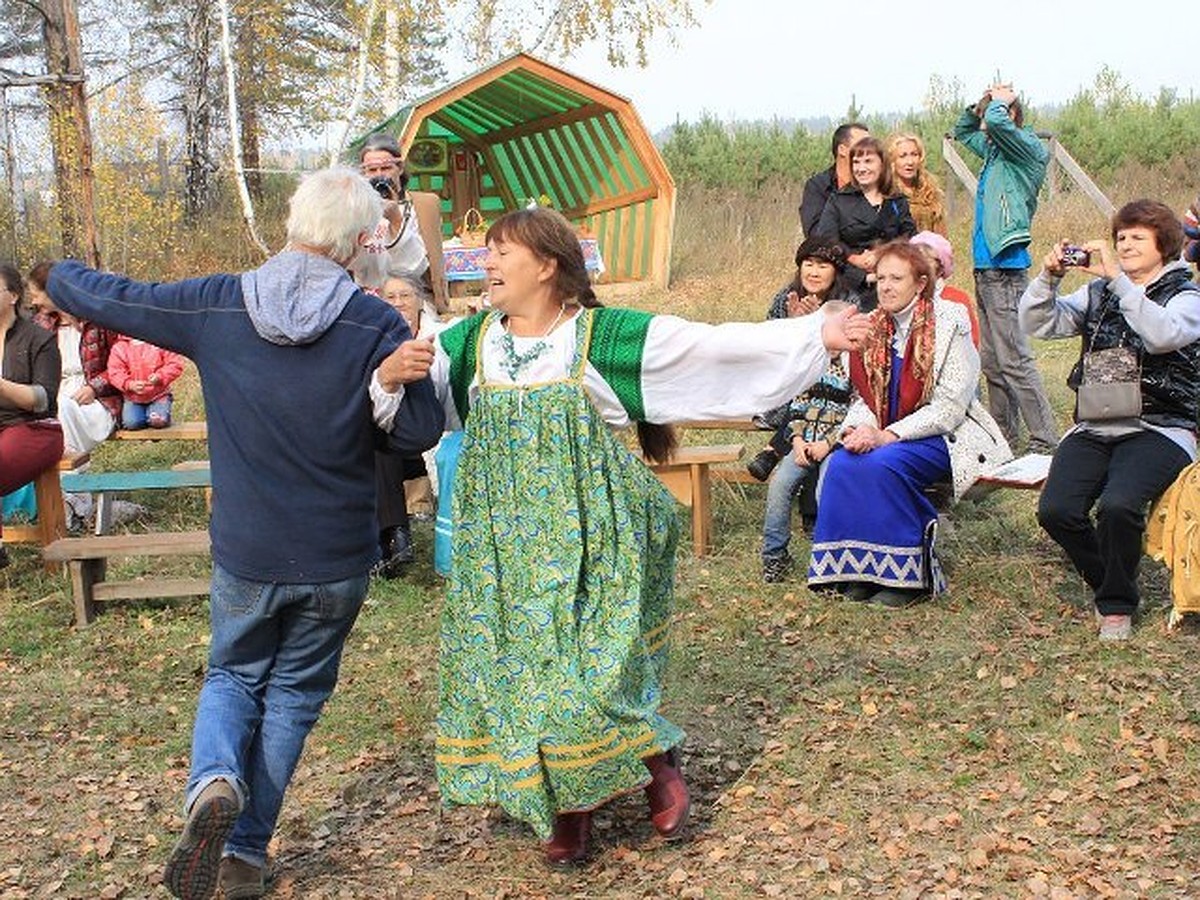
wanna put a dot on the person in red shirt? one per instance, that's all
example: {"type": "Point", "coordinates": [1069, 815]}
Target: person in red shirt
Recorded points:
{"type": "Point", "coordinates": [941, 254]}
{"type": "Point", "coordinates": [143, 373]}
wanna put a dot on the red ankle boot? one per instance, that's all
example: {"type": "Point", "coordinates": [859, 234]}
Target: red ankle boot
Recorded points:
{"type": "Point", "coordinates": [667, 794]}
{"type": "Point", "coordinates": [569, 844]}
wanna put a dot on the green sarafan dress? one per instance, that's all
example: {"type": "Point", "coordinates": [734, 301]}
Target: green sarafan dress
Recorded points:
{"type": "Point", "coordinates": [554, 631]}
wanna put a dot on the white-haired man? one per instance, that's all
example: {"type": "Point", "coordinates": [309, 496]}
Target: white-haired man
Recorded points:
{"type": "Point", "coordinates": [303, 375]}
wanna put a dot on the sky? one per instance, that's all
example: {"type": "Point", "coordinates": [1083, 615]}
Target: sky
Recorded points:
{"type": "Point", "coordinates": [761, 59]}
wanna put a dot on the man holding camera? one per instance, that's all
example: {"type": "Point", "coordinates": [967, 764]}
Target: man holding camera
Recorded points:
{"type": "Point", "coordinates": [408, 241]}
{"type": "Point", "coordinates": [1014, 166]}
{"type": "Point", "coordinates": [409, 238]}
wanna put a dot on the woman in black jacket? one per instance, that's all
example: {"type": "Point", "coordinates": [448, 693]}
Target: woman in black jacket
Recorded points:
{"type": "Point", "coordinates": [30, 437]}
{"type": "Point", "coordinates": [865, 214]}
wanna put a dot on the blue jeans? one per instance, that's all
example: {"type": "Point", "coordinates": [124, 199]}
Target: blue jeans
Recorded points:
{"type": "Point", "coordinates": [785, 484]}
{"type": "Point", "coordinates": [272, 664]}
{"type": "Point", "coordinates": [156, 414]}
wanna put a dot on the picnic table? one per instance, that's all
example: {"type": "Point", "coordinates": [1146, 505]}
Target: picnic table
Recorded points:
{"type": "Point", "coordinates": [466, 263]}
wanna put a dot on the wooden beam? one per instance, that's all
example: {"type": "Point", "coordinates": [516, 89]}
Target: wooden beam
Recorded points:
{"type": "Point", "coordinates": [610, 203]}
{"type": "Point", "coordinates": [1081, 178]}
{"type": "Point", "coordinates": [545, 123]}
{"type": "Point", "coordinates": [958, 166]}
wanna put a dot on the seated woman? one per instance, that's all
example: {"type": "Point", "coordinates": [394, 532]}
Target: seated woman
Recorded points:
{"type": "Point", "coordinates": [865, 214]}
{"type": "Point", "coordinates": [809, 436]}
{"type": "Point", "coordinates": [30, 438]}
{"type": "Point", "coordinates": [89, 406]}
{"type": "Point", "coordinates": [925, 198]}
{"type": "Point", "coordinates": [916, 422]}
{"type": "Point", "coordinates": [1142, 299]}
{"type": "Point", "coordinates": [819, 266]}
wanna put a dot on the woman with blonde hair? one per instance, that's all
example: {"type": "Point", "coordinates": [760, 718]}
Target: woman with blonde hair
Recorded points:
{"type": "Point", "coordinates": [925, 198]}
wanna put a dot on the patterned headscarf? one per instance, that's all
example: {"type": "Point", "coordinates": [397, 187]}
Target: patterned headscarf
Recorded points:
{"type": "Point", "coordinates": [871, 367]}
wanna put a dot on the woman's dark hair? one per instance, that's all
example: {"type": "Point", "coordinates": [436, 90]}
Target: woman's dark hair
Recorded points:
{"type": "Point", "coordinates": [550, 236]}
{"type": "Point", "coordinates": [912, 254]}
{"type": "Point", "coordinates": [868, 145]}
{"type": "Point", "coordinates": [14, 282]}
{"type": "Point", "coordinates": [40, 274]}
{"type": "Point", "coordinates": [827, 250]}
{"type": "Point", "coordinates": [1158, 217]}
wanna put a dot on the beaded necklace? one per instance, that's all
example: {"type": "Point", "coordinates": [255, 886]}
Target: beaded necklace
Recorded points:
{"type": "Point", "coordinates": [513, 362]}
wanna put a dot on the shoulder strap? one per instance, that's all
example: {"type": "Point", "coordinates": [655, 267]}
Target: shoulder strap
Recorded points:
{"type": "Point", "coordinates": [617, 345]}
{"type": "Point", "coordinates": [461, 343]}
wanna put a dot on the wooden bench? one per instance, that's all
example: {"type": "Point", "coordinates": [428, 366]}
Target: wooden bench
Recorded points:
{"type": "Point", "coordinates": [179, 431]}
{"type": "Point", "coordinates": [688, 477]}
{"type": "Point", "coordinates": [732, 474]}
{"type": "Point", "coordinates": [51, 522]}
{"type": "Point", "coordinates": [104, 484]}
{"type": "Point", "coordinates": [88, 558]}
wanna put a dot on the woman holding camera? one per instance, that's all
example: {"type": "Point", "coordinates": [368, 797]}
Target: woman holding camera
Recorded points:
{"type": "Point", "coordinates": [1138, 396]}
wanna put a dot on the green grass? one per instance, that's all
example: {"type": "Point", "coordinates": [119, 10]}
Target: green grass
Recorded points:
{"type": "Point", "coordinates": [983, 745]}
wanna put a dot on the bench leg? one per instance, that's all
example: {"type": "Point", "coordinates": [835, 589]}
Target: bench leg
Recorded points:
{"type": "Point", "coordinates": [701, 509]}
{"type": "Point", "coordinates": [51, 515]}
{"type": "Point", "coordinates": [85, 574]}
{"type": "Point", "coordinates": [103, 511]}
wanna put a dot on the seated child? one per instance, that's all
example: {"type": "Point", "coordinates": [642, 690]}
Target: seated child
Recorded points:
{"type": "Point", "coordinates": [800, 446]}
{"type": "Point", "coordinates": [143, 374]}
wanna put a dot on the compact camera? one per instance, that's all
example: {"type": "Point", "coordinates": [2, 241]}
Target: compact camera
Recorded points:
{"type": "Point", "coordinates": [1076, 256]}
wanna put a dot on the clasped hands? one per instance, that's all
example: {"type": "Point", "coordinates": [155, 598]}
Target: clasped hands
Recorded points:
{"type": "Point", "coordinates": [865, 438]}
{"type": "Point", "coordinates": [407, 363]}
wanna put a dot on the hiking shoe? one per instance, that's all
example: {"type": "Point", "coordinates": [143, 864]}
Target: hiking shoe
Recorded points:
{"type": "Point", "coordinates": [1116, 628]}
{"type": "Point", "coordinates": [191, 872]}
{"type": "Point", "coordinates": [775, 568]}
{"type": "Point", "coordinates": [241, 880]}
{"type": "Point", "coordinates": [763, 463]}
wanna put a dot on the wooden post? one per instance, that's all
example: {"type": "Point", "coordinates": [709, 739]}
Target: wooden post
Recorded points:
{"type": "Point", "coordinates": [70, 132]}
{"type": "Point", "coordinates": [1052, 170]}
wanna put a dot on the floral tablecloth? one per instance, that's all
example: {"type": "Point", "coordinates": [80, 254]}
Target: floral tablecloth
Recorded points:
{"type": "Point", "coordinates": [466, 263]}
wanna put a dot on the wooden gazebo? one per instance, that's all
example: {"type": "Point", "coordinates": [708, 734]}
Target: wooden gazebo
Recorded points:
{"type": "Point", "coordinates": [523, 130]}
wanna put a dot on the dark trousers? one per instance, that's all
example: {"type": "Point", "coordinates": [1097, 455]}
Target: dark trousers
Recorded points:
{"type": "Point", "coordinates": [1120, 477]}
{"type": "Point", "coordinates": [391, 471]}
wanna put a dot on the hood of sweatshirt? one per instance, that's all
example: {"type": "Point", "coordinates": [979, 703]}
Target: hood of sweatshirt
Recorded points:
{"type": "Point", "coordinates": [295, 296]}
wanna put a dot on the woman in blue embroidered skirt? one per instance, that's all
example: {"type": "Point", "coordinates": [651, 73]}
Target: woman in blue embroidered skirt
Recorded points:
{"type": "Point", "coordinates": [915, 423]}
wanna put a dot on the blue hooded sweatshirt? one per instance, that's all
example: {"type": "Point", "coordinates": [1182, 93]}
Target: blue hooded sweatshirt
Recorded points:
{"type": "Point", "coordinates": [286, 354]}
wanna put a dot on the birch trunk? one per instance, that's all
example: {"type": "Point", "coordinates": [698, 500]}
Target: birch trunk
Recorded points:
{"type": "Point", "coordinates": [235, 136]}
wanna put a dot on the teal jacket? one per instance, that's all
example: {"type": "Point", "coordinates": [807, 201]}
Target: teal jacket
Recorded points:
{"type": "Point", "coordinates": [1015, 162]}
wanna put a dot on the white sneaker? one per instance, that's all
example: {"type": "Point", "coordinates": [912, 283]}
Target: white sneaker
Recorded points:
{"type": "Point", "coordinates": [1116, 628]}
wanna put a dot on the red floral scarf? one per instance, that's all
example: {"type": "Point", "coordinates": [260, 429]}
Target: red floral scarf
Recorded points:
{"type": "Point", "coordinates": [871, 367]}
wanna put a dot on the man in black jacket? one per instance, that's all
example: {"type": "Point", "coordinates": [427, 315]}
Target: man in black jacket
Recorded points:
{"type": "Point", "coordinates": [824, 184]}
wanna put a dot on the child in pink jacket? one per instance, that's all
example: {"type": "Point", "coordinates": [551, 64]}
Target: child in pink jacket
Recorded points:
{"type": "Point", "coordinates": [143, 374]}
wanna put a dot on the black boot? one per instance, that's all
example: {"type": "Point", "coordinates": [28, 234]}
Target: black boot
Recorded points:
{"type": "Point", "coordinates": [395, 543]}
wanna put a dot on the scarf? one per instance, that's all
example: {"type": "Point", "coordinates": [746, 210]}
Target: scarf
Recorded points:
{"type": "Point", "coordinates": [871, 367]}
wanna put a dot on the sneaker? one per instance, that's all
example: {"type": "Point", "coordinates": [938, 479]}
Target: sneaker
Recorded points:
{"type": "Point", "coordinates": [1116, 628]}
{"type": "Point", "coordinates": [763, 464]}
{"type": "Point", "coordinates": [775, 568]}
{"type": "Point", "coordinates": [241, 880]}
{"type": "Point", "coordinates": [191, 872]}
